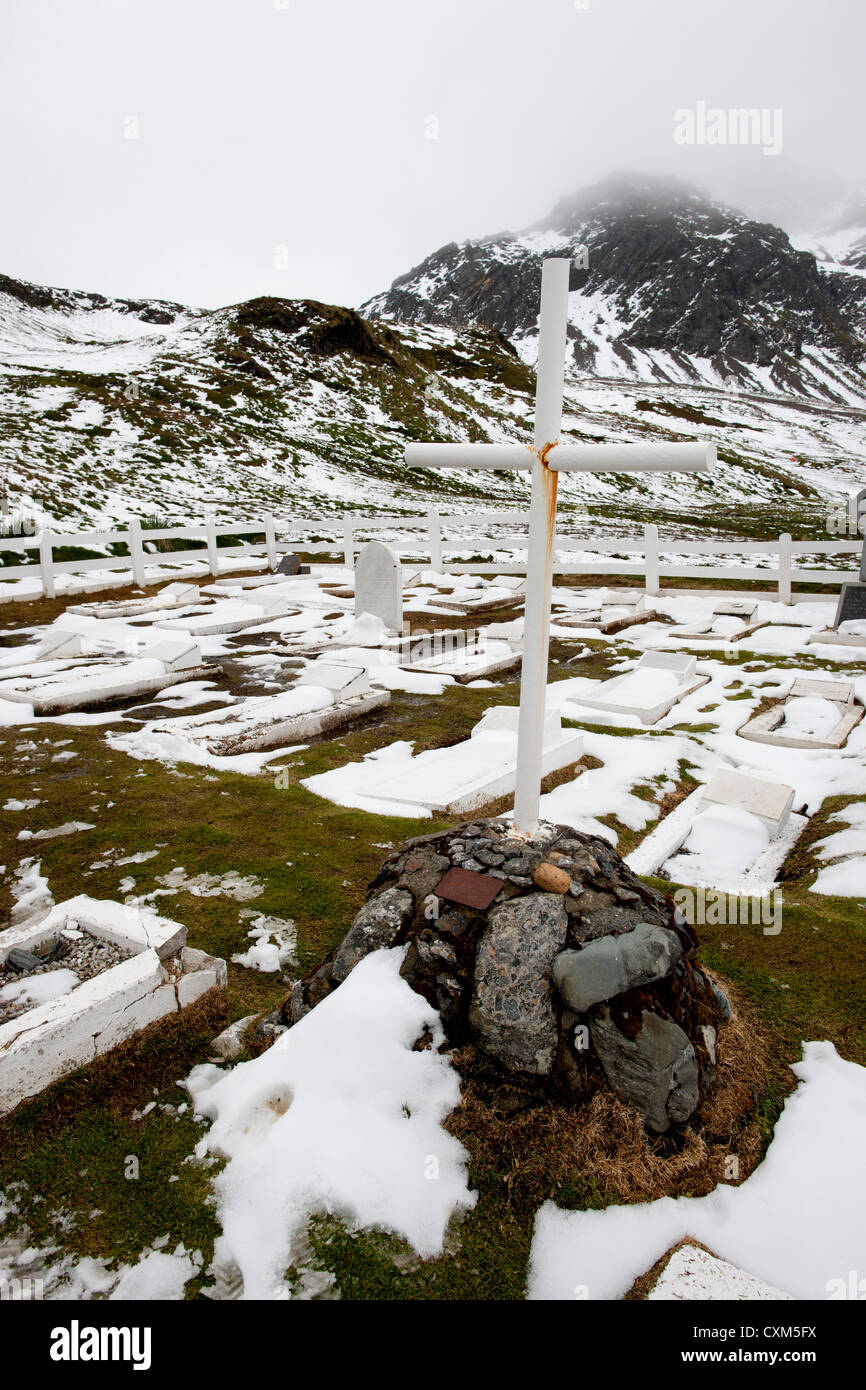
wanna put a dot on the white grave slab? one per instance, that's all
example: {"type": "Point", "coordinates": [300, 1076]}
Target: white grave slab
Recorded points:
{"type": "Point", "coordinates": [58, 644]}
{"type": "Point", "coordinates": [161, 976]}
{"type": "Point", "coordinates": [506, 632]}
{"type": "Point", "coordinates": [174, 595]}
{"type": "Point", "coordinates": [477, 658]}
{"type": "Point", "coordinates": [480, 769]}
{"type": "Point", "coordinates": [86, 686]}
{"type": "Point", "coordinates": [656, 855]}
{"type": "Point", "coordinates": [771, 802]}
{"type": "Point", "coordinates": [344, 682]}
{"type": "Point", "coordinates": [487, 601]}
{"type": "Point", "coordinates": [728, 623]}
{"type": "Point", "coordinates": [737, 608]}
{"type": "Point", "coordinates": [648, 692]}
{"type": "Point", "coordinates": [379, 585]}
{"type": "Point", "coordinates": [611, 617]}
{"type": "Point", "coordinates": [844, 636]}
{"type": "Point", "coordinates": [234, 615]}
{"type": "Point", "coordinates": [815, 714]}
{"type": "Point", "coordinates": [325, 698]}
{"type": "Point", "coordinates": [180, 655]}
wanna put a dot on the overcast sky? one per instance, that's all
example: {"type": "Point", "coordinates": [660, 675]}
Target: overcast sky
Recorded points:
{"type": "Point", "coordinates": [211, 150]}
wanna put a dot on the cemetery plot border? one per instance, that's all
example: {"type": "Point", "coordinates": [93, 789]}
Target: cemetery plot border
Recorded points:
{"type": "Point", "coordinates": [769, 727]}
{"type": "Point", "coordinates": [105, 690]}
{"type": "Point", "coordinates": [254, 727]}
{"type": "Point", "coordinates": [652, 711]}
{"type": "Point", "coordinates": [161, 976]}
{"type": "Point", "coordinates": [769, 801]}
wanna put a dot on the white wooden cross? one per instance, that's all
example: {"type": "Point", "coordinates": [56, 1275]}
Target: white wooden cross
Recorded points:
{"type": "Point", "coordinates": [546, 458]}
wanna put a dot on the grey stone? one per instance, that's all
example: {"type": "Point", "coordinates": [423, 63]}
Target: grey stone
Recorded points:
{"type": "Point", "coordinates": [379, 585]}
{"type": "Point", "coordinates": [523, 865]}
{"type": "Point", "coordinates": [429, 867]}
{"type": "Point", "coordinates": [613, 964]}
{"type": "Point", "coordinates": [435, 954]}
{"type": "Point", "coordinates": [722, 1000]}
{"type": "Point", "coordinates": [297, 1005]}
{"type": "Point", "coordinates": [454, 921]}
{"type": "Point", "coordinates": [489, 857]}
{"type": "Point", "coordinates": [512, 1013]}
{"type": "Point", "coordinates": [21, 960]}
{"type": "Point", "coordinates": [600, 914]}
{"type": "Point", "coordinates": [656, 1071]}
{"type": "Point", "coordinates": [377, 925]}
{"type": "Point", "coordinates": [290, 564]}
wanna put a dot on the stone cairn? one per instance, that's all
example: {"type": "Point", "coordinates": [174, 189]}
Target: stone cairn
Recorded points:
{"type": "Point", "coordinates": [562, 968]}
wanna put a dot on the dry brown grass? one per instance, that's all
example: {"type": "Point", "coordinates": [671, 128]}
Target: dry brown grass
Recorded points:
{"type": "Point", "coordinates": [601, 1152]}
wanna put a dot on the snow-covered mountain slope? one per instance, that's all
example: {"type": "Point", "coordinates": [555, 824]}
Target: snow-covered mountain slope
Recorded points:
{"type": "Point", "coordinates": [667, 287]}
{"type": "Point", "coordinates": [841, 246]}
{"type": "Point", "coordinates": [110, 408]}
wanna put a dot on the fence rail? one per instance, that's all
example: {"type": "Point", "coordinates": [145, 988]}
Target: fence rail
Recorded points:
{"type": "Point", "coordinates": [655, 558]}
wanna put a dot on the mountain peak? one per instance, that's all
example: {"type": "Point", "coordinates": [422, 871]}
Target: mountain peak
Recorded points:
{"type": "Point", "coordinates": [623, 192]}
{"type": "Point", "coordinates": [668, 285]}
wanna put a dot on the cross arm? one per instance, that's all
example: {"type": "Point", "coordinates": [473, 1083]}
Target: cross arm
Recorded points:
{"type": "Point", "coordinates": [632, 458]}
{"type": "Point", "coordinates": [568, 458]}
{"type": "Point", "coordinates": [493, 456]}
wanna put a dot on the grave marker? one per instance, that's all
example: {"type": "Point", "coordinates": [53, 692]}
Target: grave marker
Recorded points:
{"type": "Point", "coordinates": [545, 459]}
{"type": "Point", "coordinates": [852, 605]}
{"type": "Point", "coordinates": [379, 585]}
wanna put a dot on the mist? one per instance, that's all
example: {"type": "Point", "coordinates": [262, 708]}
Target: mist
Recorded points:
{"type": "Point", "coordinates": [211, 152]}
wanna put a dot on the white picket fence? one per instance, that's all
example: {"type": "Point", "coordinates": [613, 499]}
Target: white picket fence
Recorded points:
{"type": "Point", "coordinates": [651, 565]}
{"type": "Point", "coordinates": [135, 563]}
{"type": "Point", "coordinates": [425, 536]}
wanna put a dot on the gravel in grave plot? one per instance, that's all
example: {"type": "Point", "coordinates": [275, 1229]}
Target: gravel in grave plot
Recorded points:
{"type": "Point", "coordinates": [85, 956]}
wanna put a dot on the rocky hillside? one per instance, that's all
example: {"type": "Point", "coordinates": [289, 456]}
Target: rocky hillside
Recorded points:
{"type": "Point", "coordinates": [667, 286]}
{"type": "Point", "coordinates": [110, 407]}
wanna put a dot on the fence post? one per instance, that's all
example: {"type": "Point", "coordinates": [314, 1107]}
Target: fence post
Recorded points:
{"type": "Point", "coordinates": [651, 557]}
{"type": "Point", "coordinates": [785, 568]}
{"type": "Point", "coordinates": [136, 552]}
{"type": "Point", "coordinates": [434, 536]}
{"type": "Point", "coordinates": [46, 564]}
{"type": "Point", "coordinates": [210, 532]}
{"type": "Point", "coordinates": [271, 538]}
{"type": "Point", "coordinates": [348, 543]}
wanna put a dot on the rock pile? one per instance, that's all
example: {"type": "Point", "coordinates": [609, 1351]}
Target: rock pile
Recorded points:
{"type": "Point", "coordinates": [549, 955]}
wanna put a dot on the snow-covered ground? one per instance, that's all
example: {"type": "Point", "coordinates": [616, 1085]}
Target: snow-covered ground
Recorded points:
{"type": "Point", "coordinates": [779, 1226]}
{"type": "Point", "coordinates": [342, 1114]}
{"type": "Point", "coordinates": [636, 773]}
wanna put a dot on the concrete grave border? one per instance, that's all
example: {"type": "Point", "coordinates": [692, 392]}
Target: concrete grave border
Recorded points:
{"type": "Point", "coordinates": [769, 726]}
{"type": "Point", "coordinates": [162, 976]}
{"type": "Point", "coordinates": [647, 714]}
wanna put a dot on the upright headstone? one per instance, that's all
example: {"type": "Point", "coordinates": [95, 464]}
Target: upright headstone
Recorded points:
{"type": "Point", "coordinates": [852, 597]}
{"type": "Point", "coordinates": [379, 585]}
